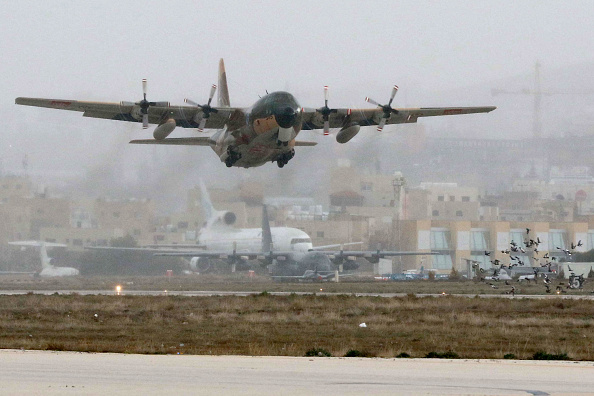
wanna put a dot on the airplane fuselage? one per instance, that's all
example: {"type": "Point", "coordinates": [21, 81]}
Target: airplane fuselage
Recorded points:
{"type": "Point", "coordinates": [249, 240]}
{"type": "Point", "coordinates": [51, 271]}
{"type": "Point", "coordinates": [267, 135]}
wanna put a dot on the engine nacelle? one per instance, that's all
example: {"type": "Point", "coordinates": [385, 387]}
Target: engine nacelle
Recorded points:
{"type": "Point", "coordinates": [163, 130]}
{"type": "Point", "coordinates": [200, 264]}
{"type": "Point", "coordinates": [348, 132]}
{"type": "Point", "coordinates": [228, 218]}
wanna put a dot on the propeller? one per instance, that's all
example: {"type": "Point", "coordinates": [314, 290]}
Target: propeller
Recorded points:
{"type": "Point", "coordinates": [387, 109]}
{"type": "Point", "coordinates": [326, 111]}
{"type": "Point", "coordinates": [145, 104]}
{"type": "Point", "coordinates": [206, 109]}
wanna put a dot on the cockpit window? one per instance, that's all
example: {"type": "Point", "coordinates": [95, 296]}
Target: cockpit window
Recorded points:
{"type": "Point", "coordinates": [300, 240]}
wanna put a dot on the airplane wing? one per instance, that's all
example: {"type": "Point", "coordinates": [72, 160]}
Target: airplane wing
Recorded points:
{"type": "Point", "coordinates": [335, 245]}
{"type": "Point", "coordinates": [371, 253]}
{"type": "Point", "coordinates": [185, 141]}
{"type": "Point", "coordinates": [184, 116]}
{"type": "Point", "coordinates": [365, 117]}
{"type": "Point", "coordinates": [210, 254]}
{"type": "Point", "coordinates": [37, 244]}
{"type": "Point", "coordinates": [282, 255]}
{"type": "Point", "coordinates": [196, 141]}
{"type": "Point", "coordinates": [17, 273]}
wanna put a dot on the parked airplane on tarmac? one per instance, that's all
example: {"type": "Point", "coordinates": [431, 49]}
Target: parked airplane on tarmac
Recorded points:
{"type": "Point", "coordinates": [248, 137]}
{"type": "Point", "coordinates": [47, 269]}
{"type": "Point", "coordinates": [221, 240]}
{"type": "Point", "coordinates": [288, 252]}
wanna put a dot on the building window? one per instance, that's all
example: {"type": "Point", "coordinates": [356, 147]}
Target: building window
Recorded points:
{"type": "Point", "coordinates": [465, 198]}
{"type": "Point", "coordinates": [441, 261]}
{"type": "Point", "coordinates": [116, 214]}
{"type": "Point", "coordinates": [590, 241]}
{"type": "Point", "coordinates": [435, 213]}
{"type": "Point", "coordinates": [517, 236]}
{"type": "Point", "coordinates": [556, 240]}
{"type": "Point", "coordinates": [452, 198]}
{"type": "Point", "coordinates": [483, 261]}
{"type": "Point", "coordinates": [440, 198]}
{"type": "Point", "coordinates": [440, 239]}
{"type": "Point", "coordinates": [479, 241]}
{"type": "Point", "coordinates": [136, 232]}
{"type": "Point", "coordinates": [77, 242]}
{"type": "Point", "coordinates": [366, 186]}
{"type": "Point", "coordinates": [182, 224]}
{"type": "Point", "coordinates": [459, 213]}
{"type": "Point", "coordinates": [320, 234]}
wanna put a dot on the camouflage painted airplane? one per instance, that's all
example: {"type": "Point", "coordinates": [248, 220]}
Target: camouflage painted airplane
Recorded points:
{"type": "Point", "coordinates": [248, 137]}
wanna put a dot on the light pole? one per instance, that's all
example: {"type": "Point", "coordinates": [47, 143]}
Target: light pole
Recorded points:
{"type": "Point", "coordinates": [398, 184]}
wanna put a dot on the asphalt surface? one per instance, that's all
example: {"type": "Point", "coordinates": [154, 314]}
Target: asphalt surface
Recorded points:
{"type": "Point", "coordinates": [65, 373]}
{"type": "Point", "coordinates": [208, 293]}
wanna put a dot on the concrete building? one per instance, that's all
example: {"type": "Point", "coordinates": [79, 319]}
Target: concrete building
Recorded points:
{"type": "Point", "coordinates": [15, 188]}
{"type": "Point", "coordinates": [459, 240]}
{"type": "Point", "coordinates": [442, 201]}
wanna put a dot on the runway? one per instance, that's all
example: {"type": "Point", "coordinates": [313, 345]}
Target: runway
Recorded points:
{"type": "Point", "coordinates": [63, 373]}
{"type": "Point", "coordinates": [210, 293]}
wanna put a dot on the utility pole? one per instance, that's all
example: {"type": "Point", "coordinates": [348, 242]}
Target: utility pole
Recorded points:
{"type": "Point", "coordinates": [398, 183]}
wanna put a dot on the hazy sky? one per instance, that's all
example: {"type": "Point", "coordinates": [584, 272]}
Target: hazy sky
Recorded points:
{"type": "Point", "coordinates": [101, 50]}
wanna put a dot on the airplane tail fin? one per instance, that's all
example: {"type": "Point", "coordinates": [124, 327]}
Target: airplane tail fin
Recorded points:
{"type": "Point", "coordinates": [45, 260]}
{"type": "Point", "coordinates": [207, 207]}
{"type": "Point", "coordinates": [266, 233]}
{"type": "Point", "coordinates": [223, 95]}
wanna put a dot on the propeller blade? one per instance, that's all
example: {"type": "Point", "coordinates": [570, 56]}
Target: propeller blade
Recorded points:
{"type": "Point", "coordinates": [191, 102]}
{"type": "Point", "coordinates": [373, 102]}
{"type": "Point", "coordinates": [326, 94]}
{"type": "Point", "coordinates": [202, 125]}
{"type": "Point", "coordinates": [381, 124]}
{"type": "Point", "coordinates": [326, 128]}
{"type": "Point", "coordinates": [144, 83]}
{"type": "Point", "coordinates": [145, 121]}
{"type": "Point", "coordinates": [394, 90]}
{"type": "Point", "coordinates": [212, 92]}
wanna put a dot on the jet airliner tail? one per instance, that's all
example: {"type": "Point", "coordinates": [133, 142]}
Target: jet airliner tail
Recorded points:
{"type": "Point", "coordinates": [45, 260]}
{"type": "Point", "coordinates": [266, 233]}
{"type": "Point", "coordinates": [207, 207]}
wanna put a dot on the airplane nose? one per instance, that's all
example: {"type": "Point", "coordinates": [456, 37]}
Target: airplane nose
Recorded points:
{"type": "Point", "coordinates": [285, 117]}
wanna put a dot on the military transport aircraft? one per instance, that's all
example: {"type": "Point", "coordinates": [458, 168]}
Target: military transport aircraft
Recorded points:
{"type": "Point", "coordinates": [248, 137]}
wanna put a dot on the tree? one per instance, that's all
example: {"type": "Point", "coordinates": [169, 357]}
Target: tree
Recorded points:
{"type": "Point", "coordinates": [454, 274]}
{"type": "Point", "coordinates": [591, 273]}
{"type": "Point", "coordinates": [126, 241]}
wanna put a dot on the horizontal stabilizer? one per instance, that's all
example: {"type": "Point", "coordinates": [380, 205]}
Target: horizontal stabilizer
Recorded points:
{"type": "Point", "coordinates": [186, 141]}
{"type": "Point", "coordinates": [304, 143]}
{"type": "Point", "coordinates": [37, 244]}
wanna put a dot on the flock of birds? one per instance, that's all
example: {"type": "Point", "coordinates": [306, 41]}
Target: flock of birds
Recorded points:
{"type": "Point", "coordinates": [516, 252]}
